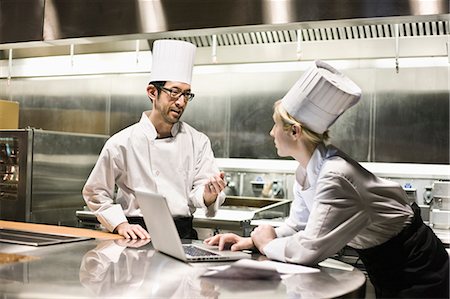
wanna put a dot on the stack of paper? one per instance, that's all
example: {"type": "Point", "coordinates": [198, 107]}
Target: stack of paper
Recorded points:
{"type": "Point", "coordinates": [251, 269]}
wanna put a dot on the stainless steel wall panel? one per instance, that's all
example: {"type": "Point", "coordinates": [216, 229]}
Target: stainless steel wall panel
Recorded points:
{"type": "Point", "coordinates": [70, 104]}
{"type": "Point", "coordinates": [402, 117]}
{"type": "Point", "coordinates": [129, 99]}
{"type": "Point", "coordinates": [412, 127]}
{"type": "Point", "coordinates": [412, 116]}
{"type": "Point", "coordinates": [209, 111]}
{"type": "Point", "coordinates": [253, 95]}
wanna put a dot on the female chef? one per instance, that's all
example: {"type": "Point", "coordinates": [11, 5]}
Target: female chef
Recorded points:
{"type": "Point", "coordinates": [347, 205]}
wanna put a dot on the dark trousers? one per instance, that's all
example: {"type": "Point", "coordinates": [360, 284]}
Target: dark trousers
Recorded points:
{"type": "Point", "coordinates": [413, 264]}
{"type": "Point", "coordinates": [183, 224]}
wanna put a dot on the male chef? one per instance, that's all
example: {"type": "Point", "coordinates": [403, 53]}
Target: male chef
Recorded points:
{"type": "Point", "coordinates": [159, 154]}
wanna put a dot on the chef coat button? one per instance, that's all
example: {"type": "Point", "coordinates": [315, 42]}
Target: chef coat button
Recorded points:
{"type": "Point", "coordinates": [157, 172]}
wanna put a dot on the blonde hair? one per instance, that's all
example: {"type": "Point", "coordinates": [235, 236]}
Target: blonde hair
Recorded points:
{"type": "Point", "coordinates": [288, 121]}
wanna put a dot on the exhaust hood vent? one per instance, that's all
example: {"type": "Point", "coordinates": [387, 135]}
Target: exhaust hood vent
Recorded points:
{"type": "Point", "coordinates": [377, 31]}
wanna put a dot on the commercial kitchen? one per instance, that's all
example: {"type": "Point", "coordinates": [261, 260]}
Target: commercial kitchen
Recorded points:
{"type": "Point", "coordinates": [73, 73]}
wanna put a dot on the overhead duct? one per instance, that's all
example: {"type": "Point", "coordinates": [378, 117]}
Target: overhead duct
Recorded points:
{"type": "Point", "coordinates": [244, 30]}
{"type": "Point", "coordinates": [71, 19]}
{"type": "Point", "coordinates": [21, 21]}
{"type": "Point", "coordinates": [419, 29]}
{"type": "Point", "coordinates": [64, 22]}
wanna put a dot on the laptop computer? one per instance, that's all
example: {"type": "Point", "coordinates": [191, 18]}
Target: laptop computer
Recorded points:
{"type": "Point", "coordinates": [165, 238]}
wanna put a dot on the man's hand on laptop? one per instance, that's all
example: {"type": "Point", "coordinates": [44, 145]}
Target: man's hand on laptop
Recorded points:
{"type": "Point", "coordinates": [224, 241]}
{"type": "Point", "coordinates": [132, 231]}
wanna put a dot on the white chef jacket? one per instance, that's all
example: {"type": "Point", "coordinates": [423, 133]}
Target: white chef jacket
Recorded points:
{"type": "Point", "coordinates": [347, 205]}
{"type": "Point", "coordinates": [176, 167]}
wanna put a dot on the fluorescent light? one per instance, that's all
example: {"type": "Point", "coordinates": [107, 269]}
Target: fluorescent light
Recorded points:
{"type": "Point", "coordinates": [126, 62]}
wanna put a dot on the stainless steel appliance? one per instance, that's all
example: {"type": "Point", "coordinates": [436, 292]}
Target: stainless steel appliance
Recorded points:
{"type": "Point", "coordinates": [440, 205]}
{"type": "Point", "coordinates": [43, 172]}
{"type": "Point", "coordinates": [23, 237]}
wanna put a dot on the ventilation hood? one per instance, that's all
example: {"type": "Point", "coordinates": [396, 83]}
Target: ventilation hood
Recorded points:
{"type": "Point", "coordinates": [272, 28]}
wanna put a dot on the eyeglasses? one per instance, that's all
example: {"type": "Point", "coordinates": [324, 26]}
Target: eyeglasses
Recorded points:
{"type": "Point", "coordinates": [176, 93]}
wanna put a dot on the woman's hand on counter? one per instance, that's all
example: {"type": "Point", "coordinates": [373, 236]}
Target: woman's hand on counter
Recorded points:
{"type": "Point", "coordinates": [225, 240]}
{"type": "Point", "coordinates": [132, 231]}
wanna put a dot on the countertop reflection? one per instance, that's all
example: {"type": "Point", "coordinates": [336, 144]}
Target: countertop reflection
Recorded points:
{"type": "Point", "coordinates": [121, 269]}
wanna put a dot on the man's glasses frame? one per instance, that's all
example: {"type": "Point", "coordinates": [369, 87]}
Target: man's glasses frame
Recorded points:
{"type": "Point", "coordinates": [176, 93]}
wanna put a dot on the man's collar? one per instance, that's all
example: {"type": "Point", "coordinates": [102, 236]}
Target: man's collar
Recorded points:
{"type": "Point", "coordinates": [153, 134]}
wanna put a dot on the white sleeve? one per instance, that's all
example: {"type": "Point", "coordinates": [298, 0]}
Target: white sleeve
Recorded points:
{"type": "Point", "coordinates": [298, 214]}
{"type": "Point", "coordinates": [206, 167]}
{"type": "Point", "coordinates": [274, 250]}
{"type": "Point", "coordinates": [98, 192]}
{"type": "Point", "coordinates": [212, 209]}
{"type": "Point", "coordinates": [336, 218]}
{"type": "Point", "coordinates": [111, 217]}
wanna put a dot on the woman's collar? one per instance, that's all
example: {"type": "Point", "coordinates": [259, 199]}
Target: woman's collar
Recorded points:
{"type": "Point", "coordinates": [315, 164]}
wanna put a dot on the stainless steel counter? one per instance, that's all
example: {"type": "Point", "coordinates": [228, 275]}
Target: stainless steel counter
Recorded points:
{"type": "Point", "coordinates": [95, 268]}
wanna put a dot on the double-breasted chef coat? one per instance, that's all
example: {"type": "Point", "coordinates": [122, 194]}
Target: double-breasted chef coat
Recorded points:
{"type": "Point", "coordinates": [176, 167]}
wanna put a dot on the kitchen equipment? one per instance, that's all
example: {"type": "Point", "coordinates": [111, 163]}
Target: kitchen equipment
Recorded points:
{"type": "Point", "coordinates": [257, 186]}
{"type": "Point", "coordinates": [36, 239]}
{"type": "Point", "coordinates": [238, 213]}
{"type": "Point", "coordinates": [277, 189]}
{"type": "Point", "coordinates": [43, 172]}
{"type": "Point", "coordinates": [440, 205]}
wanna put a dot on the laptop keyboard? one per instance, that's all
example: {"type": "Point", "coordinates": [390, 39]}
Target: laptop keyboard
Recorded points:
{"type": "Point", "coordinates": [195, 251]}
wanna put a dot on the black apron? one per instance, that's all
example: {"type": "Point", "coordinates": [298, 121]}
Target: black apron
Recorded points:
{"type": "Point", "coordinates": [413, 264]}
{"type": "Point", "coordinates": [183, 224]}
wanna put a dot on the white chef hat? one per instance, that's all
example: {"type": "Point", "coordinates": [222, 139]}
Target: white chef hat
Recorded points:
{"type": "Point", "coordinates": [173, 60]}
{"type": "Point", "coordinates": [320, 96]}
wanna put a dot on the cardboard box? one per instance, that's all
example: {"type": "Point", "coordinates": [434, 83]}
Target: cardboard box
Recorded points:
{"type": "Point", "coordinates": [9, 115]}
